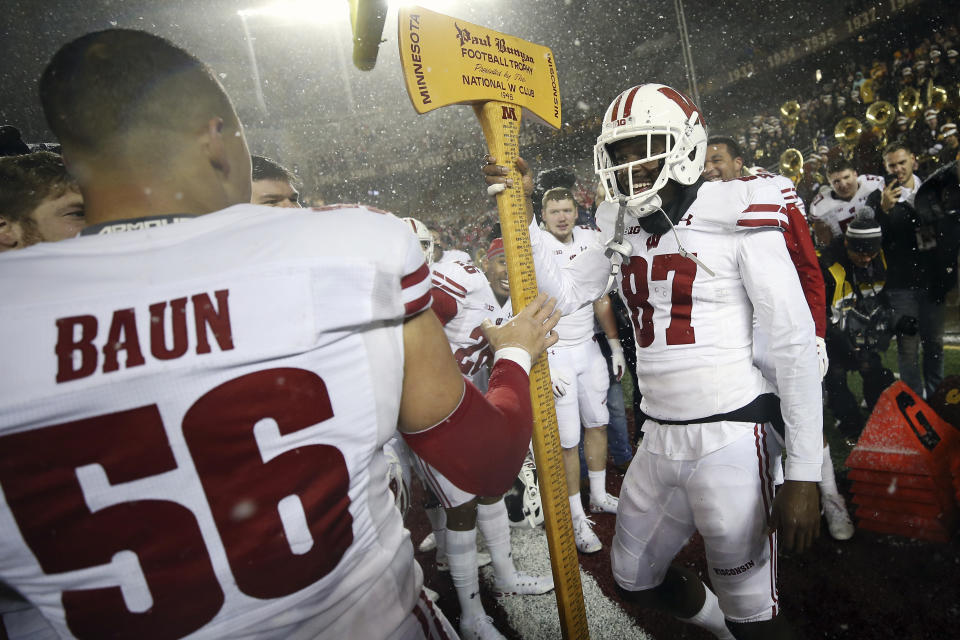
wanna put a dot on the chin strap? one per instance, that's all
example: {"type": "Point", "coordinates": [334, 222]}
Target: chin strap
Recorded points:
{"type": "Point", "coordinates": [683, 252]}
{"type": "Point", "coordinates": [617, 248]}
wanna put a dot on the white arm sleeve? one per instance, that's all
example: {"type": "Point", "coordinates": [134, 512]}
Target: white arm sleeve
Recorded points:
{"type": "Point", "coordinates": [774, 289]}
{"type": "Point", "coordinates": [576, 284]}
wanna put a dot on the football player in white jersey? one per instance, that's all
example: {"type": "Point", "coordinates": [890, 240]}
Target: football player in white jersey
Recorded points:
{"type": "Point", "coordinates": [192, 440]}
{"type": "Point", "coordinates": [835, 206]}
{"type": "Point", "coordinates": [724, 162]}
{"type": "Point", "coordinates": [273, 184]}
{"type": "Point", "coordinates": [464, 303]}
{"type": "Point", "coordinates": [578, 372]}
{"type": "Point", "coordinates": [704, 257]}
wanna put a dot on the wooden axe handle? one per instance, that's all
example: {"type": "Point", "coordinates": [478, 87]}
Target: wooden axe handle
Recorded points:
{"type": "Point", "coordinates": [501, 128]}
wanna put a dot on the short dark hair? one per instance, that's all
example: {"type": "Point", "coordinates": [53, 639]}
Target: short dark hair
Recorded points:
{"type": "Point", "coordinates": [732, 146]}
{"type": "Point", "coordinates": [29, 179]}
{"type": "Point", "coordinates": [896, 145]}
{"type": "Point", "coordinates": [839, 164]}
{"type": "Point", "coordinates": [102, 86]}
{"type": "Point", "coordinates": [557, 194]}
{"type": "Point", "coordinates": [266, 169]}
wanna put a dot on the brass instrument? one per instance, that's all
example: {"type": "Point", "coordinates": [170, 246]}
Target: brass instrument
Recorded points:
{"type": "Point", "coordinates": [880, 115]}
{"type": "Point", "coordinates": [790, 111]}
{"type": "Point", "coordinates": [909, 102]}
{"type": "Point", "coordinates": [868, 92]}
{"type": "Point", "coordinates": [790, 114]}
{"type": "Point", "coordinates": [937, 97]}
{"type": "Point", "coordinates": [791, 165]}
{"type": "Point", "coordinates": [847, 132]}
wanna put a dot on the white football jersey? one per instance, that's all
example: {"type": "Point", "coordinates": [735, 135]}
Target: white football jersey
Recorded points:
{"type": "Point", "coordinates": [192, 426]}
{"type": "Point", "coordinates": [576, 327]}
{"type": "Point", "coordinates": [838, 213]}
{"type": "Point", "coordinates": [468, 286]}
{"type": "Point", "coordinates": [693, 322]}
{"type": "Point", "coordinates": [787, 189]}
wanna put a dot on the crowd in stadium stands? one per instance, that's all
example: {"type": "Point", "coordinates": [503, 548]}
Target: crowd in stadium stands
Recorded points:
{"type": "Point", "coordinates": [920, 85]}
{"type": "Point", "coordinates": [928, 128]}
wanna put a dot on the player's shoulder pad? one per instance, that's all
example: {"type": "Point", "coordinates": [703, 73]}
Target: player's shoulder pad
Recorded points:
{"type": "Point", "coordinates": [741, 205]}
{"type": "Point", "coordinates": [606, 218]}
{"type": "Point", "coordinates": [583, 233]}
{"type": "Point", "coordinates": [457, 278]}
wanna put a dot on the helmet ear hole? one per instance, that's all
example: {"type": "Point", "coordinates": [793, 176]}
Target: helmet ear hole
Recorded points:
{"type": "Point", "coordinates": [692, 154]}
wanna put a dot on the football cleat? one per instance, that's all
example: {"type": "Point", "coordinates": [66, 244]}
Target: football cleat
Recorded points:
{"type": "Point", "coordinates": [522, 584]}
{"type": "Point", "coordinates": [606, 504]}
{"type": "Point", "coordinates": [586, 540]}
{"type": "Point", "coordinates": [429, 543]}
{"type": "Point", "coordinates": [479, 628]}
{"type": "Point", "coordinates": [838, 519]}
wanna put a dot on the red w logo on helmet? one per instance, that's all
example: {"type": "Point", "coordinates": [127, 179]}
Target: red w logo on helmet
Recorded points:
{"type": "Point", "coordinates": [683, 102]}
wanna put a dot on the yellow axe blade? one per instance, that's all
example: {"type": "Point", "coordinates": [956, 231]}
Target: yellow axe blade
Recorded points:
{"type": "Point", "coordinates": [448, 61]}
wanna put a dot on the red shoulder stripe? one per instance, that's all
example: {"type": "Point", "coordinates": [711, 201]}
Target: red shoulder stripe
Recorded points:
{"type": "Point", "coordinates": [415, 278]}
{"type": "Point", "coordinates": [455, 284]}
{"type": "Point", "coordinates": [416, 306]}
{"type": "Point", "coordinates": [772, 208]}
{"type": "Point", "coordinates": [444, 287]}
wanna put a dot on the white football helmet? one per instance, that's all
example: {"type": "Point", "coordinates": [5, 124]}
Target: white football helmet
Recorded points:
{"type": "Point", "coordinates": [644, 111]}
{"type": "Point", "coordinates": [424, 236]}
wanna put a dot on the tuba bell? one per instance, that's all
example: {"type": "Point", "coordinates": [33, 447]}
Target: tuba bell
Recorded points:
{"type": "Point", "coordinates": [791, 164]}
{"type": "Point", "coordinates": [790, 111]}
{"type": "Point", "coordinates": [880, 115]}
{"type": "Point", "coordinates": [937, 97]}
{"type": "Point", "coordinates": [847, 132]}
{"type": "Point", "coordinates": [909, 102]}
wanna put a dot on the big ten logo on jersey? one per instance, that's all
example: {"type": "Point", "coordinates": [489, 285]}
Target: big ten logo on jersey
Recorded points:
{"type": "Point", "coordinates": [232, 502]}
{"type": "Point", "coordinates": [80, 341]}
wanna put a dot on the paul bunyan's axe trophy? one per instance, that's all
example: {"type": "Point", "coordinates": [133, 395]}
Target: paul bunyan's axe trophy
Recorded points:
{"type": "Point", "coordinates": [448, 61]}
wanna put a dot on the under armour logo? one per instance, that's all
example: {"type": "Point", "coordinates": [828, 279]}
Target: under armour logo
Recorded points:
{"type": "Point", "coordinates": [688, 219]}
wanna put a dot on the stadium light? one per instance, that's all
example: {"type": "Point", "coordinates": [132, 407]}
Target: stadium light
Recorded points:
{"type": "Point", "coordinates": [328, 11]}
{"type": "Point", "coordinates": [314, 11]}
